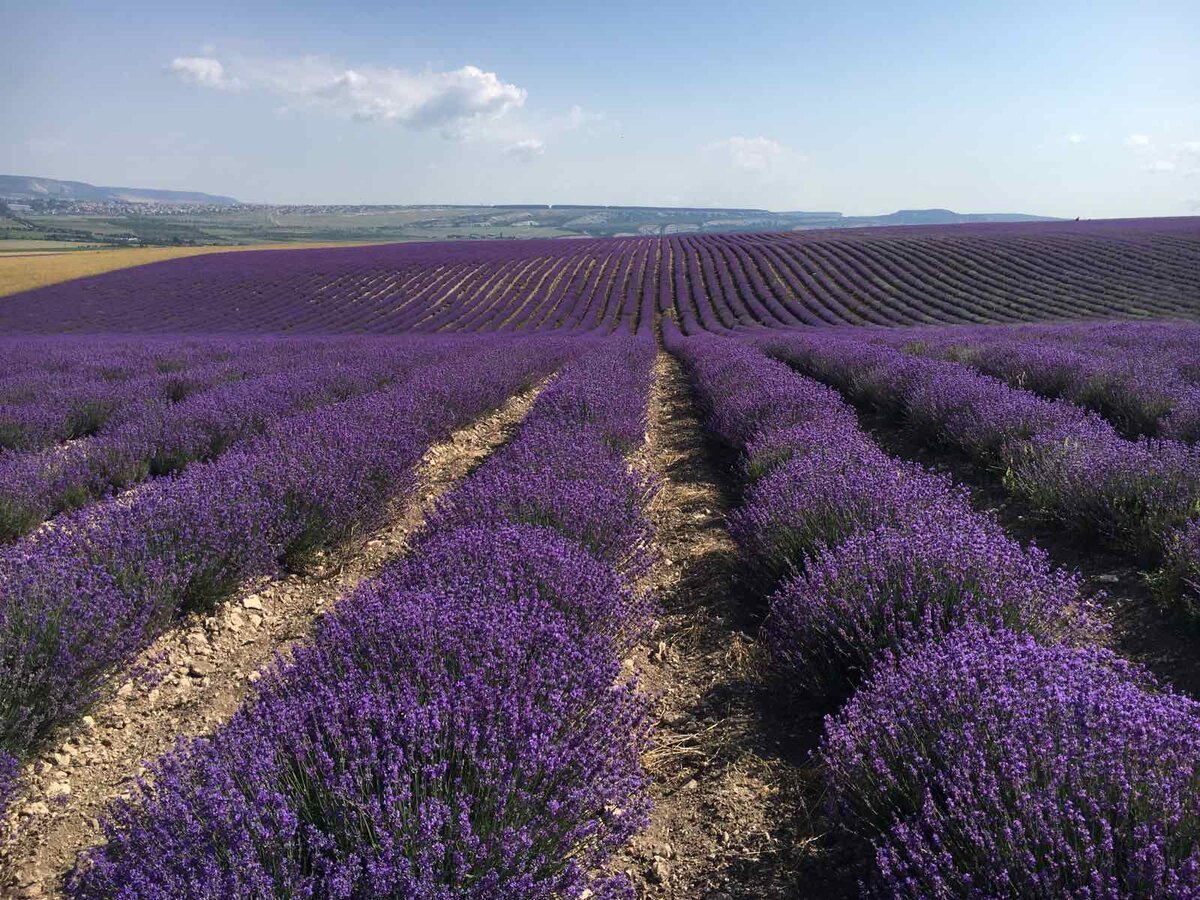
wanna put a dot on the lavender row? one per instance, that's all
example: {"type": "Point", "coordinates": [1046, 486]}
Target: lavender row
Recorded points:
{"type": "Point", "coordinates": [860, 555]}
{"type": "Point", "coordinates": [46, 407]}
{"type": "Point", "coordinates": [1140, 394]}
{"type": "Point", "coordinates": [1173, 344]}
{"type": "Point", "coordinates": [167, 438]}
{"type": "Point", "coordinates": [710, 282]}
{"type": "Point", "coordinates": [1070, 465]}
{"type": "Point", "coordinates": [979, 755]}
{"type": "Point", "coordinates": [460, 727]}
{"type": "Point", "coordinates": [79, 600]}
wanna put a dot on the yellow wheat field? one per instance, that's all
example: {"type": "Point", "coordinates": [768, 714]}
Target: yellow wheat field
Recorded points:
{"type": "Point", "coordinates": [21, 272]}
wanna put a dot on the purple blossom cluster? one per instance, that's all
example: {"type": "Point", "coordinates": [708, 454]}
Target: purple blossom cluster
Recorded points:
{"type": "Point", "coordinates": [1068, 463]}
{"type": "Point", "coordinates": [994, 765]}
{"type": "Point", "coordinates": [459, 727]}
{"type": "Point", "coordinates": [81, 598]}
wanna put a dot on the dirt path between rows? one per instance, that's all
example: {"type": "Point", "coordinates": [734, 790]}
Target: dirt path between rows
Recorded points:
{"type": "Point", "coordinates": [730, 784]}
{"type": "Point", "coordinates": [195, 677]}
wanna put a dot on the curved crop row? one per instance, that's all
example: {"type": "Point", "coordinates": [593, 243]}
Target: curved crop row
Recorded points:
{"type": "Point", "coordinates": [458, 728]}
{"type": "Point", "coordinates": [709, 282]}
{"type": "Point", "coordinates": [80, 599]}
{"type": "Point", "coordinates": [1070, 465]}
{"type": "Point", "coordinates": [977, 753]}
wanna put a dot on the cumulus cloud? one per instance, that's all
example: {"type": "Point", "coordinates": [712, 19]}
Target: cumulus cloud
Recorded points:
{"type": "Point", "coordinates": [526, 149]}
{"type": "Point", "coordinates": [1075, 138]}
{"type": "Point", "coordinates": [1137, 141]}
{"type": "Point", "coordinates": [1160, 165]}
{"type": "Point", "coordinates": [203, 71]}
{"type": "Point", "coordinates": [448, 101]}
{"type": "Point", "coordinates": [757, 155]}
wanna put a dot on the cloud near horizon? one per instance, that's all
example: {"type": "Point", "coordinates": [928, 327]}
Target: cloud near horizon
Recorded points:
{"type": "Point", "coordinates": [756, 155]}
{"type": "Point", "coordinates": [526, 149]}
{"type": "Point", "coordinates": [452, 102]}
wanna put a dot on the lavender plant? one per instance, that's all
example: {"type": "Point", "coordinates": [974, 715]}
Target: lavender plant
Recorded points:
{"type": "Point", "coordinates": [992, 765]}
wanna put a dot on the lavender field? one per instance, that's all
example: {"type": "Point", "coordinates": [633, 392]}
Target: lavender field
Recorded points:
{"type": "Point", "coordinates": [817, 564]}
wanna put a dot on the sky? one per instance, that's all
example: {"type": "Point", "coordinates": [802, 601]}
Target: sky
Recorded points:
{"type": "Point", "coordinates": [1055, 108]}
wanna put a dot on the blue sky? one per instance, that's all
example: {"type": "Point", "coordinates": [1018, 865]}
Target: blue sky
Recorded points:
{"type": "Point", "coordinates": [1059, 108]}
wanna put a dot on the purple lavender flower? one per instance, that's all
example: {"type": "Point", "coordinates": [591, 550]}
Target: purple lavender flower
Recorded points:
{"type": "Point", "coordinates": [994, 765]}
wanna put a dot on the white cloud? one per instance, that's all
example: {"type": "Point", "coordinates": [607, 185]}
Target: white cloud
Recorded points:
{"type": "Point", "coordinates": [526, 149]}
{"type": "Point", "coordinates": [578, 118]}
{"type": "Point", "coordinates": [1183, 157]}
{"type": "Point", "coordinates": [450, 101]}
{"type": "Point", "coordinates": [1075, 138]}
{"type": "Point", "coordinates": [757, 155]}
{"type": "Point", "coordinates": [203, 71]}
{"type": "Point", "coordinates": [1136, 141]}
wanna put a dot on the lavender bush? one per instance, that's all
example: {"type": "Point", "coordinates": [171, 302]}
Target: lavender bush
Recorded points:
{"type": "Point", "coordinates": [900, 587]}
{"type": "Point", "coordinates": [1068, 463]}
{"type": "Point", "coordinates": [469, 737]}
{"type": "Point", "coordinates": [991, 765]}
{"type": "Point", "coordinates": [80, 599]}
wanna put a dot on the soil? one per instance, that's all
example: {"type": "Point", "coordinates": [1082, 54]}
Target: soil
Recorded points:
{"type": "Point", "coordinates": [1143, 628]}
{"type": "Point", "coordinates": [196, 676]}
{"type": "Point", "coordinates": [736, 802]}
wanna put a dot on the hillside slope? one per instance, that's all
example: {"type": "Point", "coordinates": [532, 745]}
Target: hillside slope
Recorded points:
{"type": "Point", "coordinates": [895, 276]}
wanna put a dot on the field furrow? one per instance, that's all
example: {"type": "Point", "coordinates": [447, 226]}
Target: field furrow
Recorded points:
{"type": "Point", "coordinates": [193, 678]}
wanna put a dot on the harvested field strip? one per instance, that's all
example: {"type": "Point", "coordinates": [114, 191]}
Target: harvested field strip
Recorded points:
{"type": "Point", "coordinates": [729, 788]}
{"type": "Point", "coordinates": [20, 273]}
{"type": "Point", "coordinates": [196, 676]}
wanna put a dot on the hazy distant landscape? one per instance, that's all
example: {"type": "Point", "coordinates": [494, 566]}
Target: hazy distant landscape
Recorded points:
{"type": "Point", "coordinates": [65, 211]}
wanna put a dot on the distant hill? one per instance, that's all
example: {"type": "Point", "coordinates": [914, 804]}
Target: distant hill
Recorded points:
{"type": "Point", "coordinates": [46, 208]}
{"type": "Point", "coordinates": [23, 187]}
{"type": "Point", "coordinates": [938, 217]}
